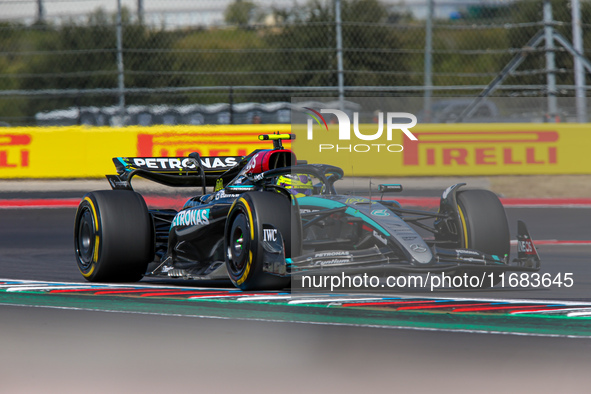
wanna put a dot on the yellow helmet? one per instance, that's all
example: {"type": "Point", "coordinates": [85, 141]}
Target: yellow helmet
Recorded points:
{"type": "Point", "coordinates": [299, 185]}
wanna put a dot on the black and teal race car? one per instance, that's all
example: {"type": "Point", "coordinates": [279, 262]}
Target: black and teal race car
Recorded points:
{"type": "Point", "coordinates": [266, 218]}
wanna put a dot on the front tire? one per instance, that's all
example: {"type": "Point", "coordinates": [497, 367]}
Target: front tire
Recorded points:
{"type": "Point", "coordinates": [244, 230]}
{"type": "Point", "coordinates": [113, 236]}
{"type": "Point", "coordinates": [484, 225]}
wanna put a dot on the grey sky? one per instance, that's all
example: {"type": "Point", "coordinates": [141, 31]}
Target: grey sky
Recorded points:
{"type": "Point", "coordinates": [181, 12]}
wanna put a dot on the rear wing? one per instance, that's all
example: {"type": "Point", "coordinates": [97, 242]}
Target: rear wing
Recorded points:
{"type": "Point", "coordinates": [175, 171]}
{"type": "Point", "coordinates": [178, 165]}
{"type": "Point", "coordinates": [190, 171]}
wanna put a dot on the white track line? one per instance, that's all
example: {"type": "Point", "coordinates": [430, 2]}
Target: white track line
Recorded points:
{"type": "Point", "coordinates": [263, 298]}
{"type": "Point", "coordinates": [329, 300]}
{"type": "Point", "coordinates": [581, 313]}
{"type": "Point", "coordinates": [32, 288]}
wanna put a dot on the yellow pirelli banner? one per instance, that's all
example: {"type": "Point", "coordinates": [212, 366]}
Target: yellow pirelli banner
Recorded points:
{"type": "Point", "coordinates": [452, 149]}
{"type": "Point", "coordinates": [466, 149]}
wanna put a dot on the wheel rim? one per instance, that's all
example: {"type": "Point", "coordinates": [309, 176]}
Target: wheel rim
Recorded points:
{"type": "Point", "coordinates": [238, 245]}
{"type": "Point", "coordinates": [85, 238]}
{"type": "Point", "coordinates": [238, 241]}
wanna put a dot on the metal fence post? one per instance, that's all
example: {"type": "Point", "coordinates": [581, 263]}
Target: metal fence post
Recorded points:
{"type": "Point", "coordinates": [339, 49]}
{"type": "Point", "coordinates": [580, 92]}
{"type": "Point", "coordinates": [121, 82]}
{"type": "Point", "coordinates": [550, 61]}
{"type": "Point", "coordinates": [40, 12]}
{"type": "Point", "coordinates": [140, 11]}
{"type": "Point", "coordinates": [428, 77]}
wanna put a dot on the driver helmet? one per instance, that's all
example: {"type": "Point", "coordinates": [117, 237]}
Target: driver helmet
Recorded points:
{"type": "Point", "coordinates": [299, 185]}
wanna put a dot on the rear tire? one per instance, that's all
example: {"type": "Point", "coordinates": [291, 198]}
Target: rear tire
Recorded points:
{"type": "Point", "coordinates": [113, 236]}
{"type": "Point", "coordinates": [484, 226]}
{"type": "Point", "coordinates": [244, 231]}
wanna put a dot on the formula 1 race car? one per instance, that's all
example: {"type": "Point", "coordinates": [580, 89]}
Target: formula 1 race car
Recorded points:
{"type": "Point", "coordinates": [268, 218]}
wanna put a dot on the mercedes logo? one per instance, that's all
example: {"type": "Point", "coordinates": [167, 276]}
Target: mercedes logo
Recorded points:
{"type": "Point", "coordinates": [418, 248]}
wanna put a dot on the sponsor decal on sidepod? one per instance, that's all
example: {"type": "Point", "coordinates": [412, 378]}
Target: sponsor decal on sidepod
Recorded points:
{"type": "Point", "coordinates": [191, 217]}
